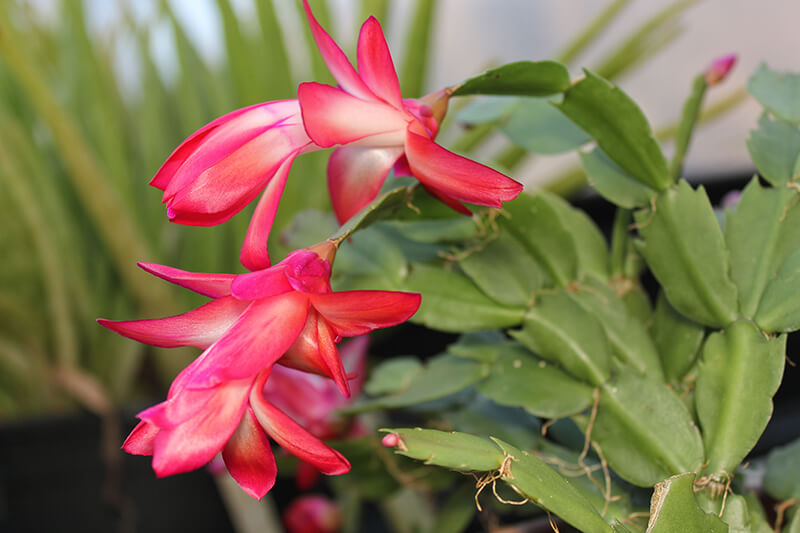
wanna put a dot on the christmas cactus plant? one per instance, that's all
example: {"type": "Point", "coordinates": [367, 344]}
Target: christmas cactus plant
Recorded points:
{"type": "Point", "coordinates": [574, 387]}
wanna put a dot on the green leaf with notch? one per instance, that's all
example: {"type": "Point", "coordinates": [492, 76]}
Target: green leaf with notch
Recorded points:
{"type": "Point", "coordinates": [392, 376]}
{"type": "Point", "coordinates": [774, 148]}
{"type": "Point", "coordinates": [644, 429]}
{"type": "Point", "coordinates": [620, 128]}
{"type": "Point", "coordinates": [459, 451]}
{"type": "Point", "coordinates": [761, 233]}
{"type": "Point", "coordinates": [777, 91]}
{"type": "Point", "coordinates": [540, 128]}
{"type": "Point", "coordinates": [674, 508]}
{"type": "Point", "coordinates": [523, 78]}
{"type": "Point", "coordinates": [451, 302]}
{"type": "Point", "coordinates": [678, 339]}
{"type": "Point", "coordinates": [684, 248]}
{"type": "Point", "coordinates": [613, 183]}
{"type": "Point", "coordinates": [561, 331]}
{"type": "Point", "coordinates": [782, 476]}
{"type": "Point", "coordinates": [779, 310]}
{"type": "Point", "coordinates": [739, 372]}
{"type": "Point", "coordinates": [518, 379]}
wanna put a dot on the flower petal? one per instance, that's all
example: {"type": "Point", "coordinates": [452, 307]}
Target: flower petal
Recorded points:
{"type": "Point", "coordinates": [452, 203]}
{"type": "Point", "coordinates": [355, 176]}
{"type": "Point", "coordinates": [291, 436]}
{"type": "Point", "coordinates": [140, 441]}
{"type": "Point", "coordinates": [255, 253]}
{"type": "Point", "coordinates": [196, 441]}
{"type": "Point", "coordinates": [261, 283]}
{"type": "Point", "coordinates": [260, 337]}
{"type": "Point", "coordinates": [341, 69]}
{"type": "Point", "coordinates": [222, 190]}
{"type": "Point", "coordinates": [315, 351]}
{"type": "Point", "coordinates": [249, 458]}
{"type": "Point", "coordinates": [375, 63]}
{"type": "Point", "coordinates": [456, 176]}
{"type": "Point", "coordinates": [199, 327]}
{"type": "Point", "coordinates": [213, 285]}
{"type": "Point", "coordinates": [354, 313]}
{"type": "Point", "coordinates": [332, 116]}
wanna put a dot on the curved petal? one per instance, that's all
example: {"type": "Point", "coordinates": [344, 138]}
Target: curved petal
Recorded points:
{"type": "Point", "coordinates": [354, 313]}
{"type": "Point", "coordinates": [255, 253]}
{"type": "Point", "coordinates": [261, 284]}
{"type": "Point", "coordinates": [291, 436]}
{"type": "Point", "coordinates": [452, 203]}
{"type": "Point", "coordinates": [355, 176]}
{"type": "Point", "coordinates": [458, 177]}
{"type": "Point", "coordinates": [332, 116]}
{"type": "Point", "coordinates": [196, 441]}
{"type": "Point", "coordinates": [315, 351]}
{"type": "Point", "coordinates": [222, 190]}
{"type": "Point", "coordinates": [167, 171]}
{"type": "Point", "coordinates": [249, 458]}
{"type": "Point", "coordinates": [375, 63]}
{"type": "Point", "coordinates": [213, 285]}
{"type": "Point", "coordinates": [140, 440]}
{"type": "Point", "coordinates": [199, 327]}
{"type": "Point", "coordinates": [341, 69]}
{"type": "Point", "coordinates": [260, 337]}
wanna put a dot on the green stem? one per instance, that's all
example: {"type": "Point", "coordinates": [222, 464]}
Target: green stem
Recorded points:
{"type": "Point", "coordinates": [691, 112]}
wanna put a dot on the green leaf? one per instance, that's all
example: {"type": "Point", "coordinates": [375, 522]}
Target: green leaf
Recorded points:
{"type": "Point", "coordinates": [538, 127]}
{"type": "Point", "coordinates": [442, 376]}
{"type": "Point", "coordinates": [536, 223]}
{"type": "Point", "coordinates": [504, 270]}
{"type": "Point", "coordinates": [619, 127]}
{"type": "Point", "coordinates": [758, 517]}
{"type": "Point", "coordinates": [523, 78]}
{"type": "Point", "coordinates": [674, 508]}
{"type": "Point", "coordinates": [777, 91]}
{"type": "Point", "coordinates": [590, 244]}
{"type": "Point", "coordinates": [442, 230]}
{"type": "Point", "coordinates": [684, 248]}
{"type": "Point", "coordinates": [393, 375]}
{"type": "Point", "coordinates": [678, 339]}
{"type": "Point", "coordinates": [627, 335]}
{"type": "Point", "coordinates": [535, 480]}
{"type": "Point", "coordinates": [644, 429]}
{"type": "Point", "coordinates": [779, 310]}
{"type": "Point", "coordinates": [372, 253]}
{"type": "Point", "coordinates": [482, 346]}
{"type": "Point", "coordinates": [794, 524]}
{"type": "Point", "coordinates": [485, 418]}
{"type": "Point", "coordinates": [558, 329]}
{"type": "Point", "coordinates": [736, 515]}
{"type": "Point", "coordinates": [382, 207]}
{"type": "Point", "coordinates": [782, 475]}
{"type": "Point", "coordinates": [739, 373]}
{"type": "Point", "coordinates": [613, 183]}
{"type": "Point", "coordinates": [459, 451]}
{"type": "Point", "coordinates": [774, 148]}
{"type": "Point", "coordinates": [761, 233]}
{"type": "Point", "coordinates": [518, 379]}
{"type": "Point", "coordinates": [451, 302]}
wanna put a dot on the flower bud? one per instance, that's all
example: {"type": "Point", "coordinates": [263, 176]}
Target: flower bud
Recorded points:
{"type": "Point", "coordinates": [719, 69]}
{"type": "Point", "coordinates": [312, 514]}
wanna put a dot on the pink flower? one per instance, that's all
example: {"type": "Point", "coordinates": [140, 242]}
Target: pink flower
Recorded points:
{"type": "Point", "coordinates": [284, 314]}
{"type": "Point", "coordinates": [223, 166]}
{"type": "Point", "coordinates": [196, 423]}
{"type": "Point", "coordinates": [312, 514]}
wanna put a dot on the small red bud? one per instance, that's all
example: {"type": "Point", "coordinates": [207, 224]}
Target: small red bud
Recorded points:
{"type": "Point", "coordinates": [719, 69]}
{"type": "Point", "coordinates": [312, 514]}
{"type": "Point", "coordinates": [390, 440]}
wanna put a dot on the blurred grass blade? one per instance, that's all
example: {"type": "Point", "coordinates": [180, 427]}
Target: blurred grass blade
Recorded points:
{"type": "Point", "coordinates": [279, 78]}
{"type": "Point", "coordinates": [591, 31]}
{"type": "Point", "coordinates": [417, 53]}
{"type": "Point", "coordinates": [248, 76]}
{"type": "Point", "coordinates": [375, 8]}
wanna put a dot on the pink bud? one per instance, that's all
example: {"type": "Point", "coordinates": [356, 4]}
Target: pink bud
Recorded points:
{"type": "Point", "coordinates": [390, 440]}
{"type": "Point", "coordinates": [719, 68]}
{"type": "Point", "coordinates": [312, 514]}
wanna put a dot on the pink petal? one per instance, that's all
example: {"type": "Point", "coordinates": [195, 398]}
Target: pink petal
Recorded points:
{"type": "Point", "coordinates": [341, 69]}
{"type": "Point", "coordinates": [260, 337]}
{"type": "Point", "coordinates": [452, 203]}
{"type": "Point", "coordinates": [222, 190]}
{"type": "Point", "coordinates": [307, 271]}
{"type": "Point", "coordinates": [315, 351]}
{"type": "Point", "coordinates": [355, 176]}
{"type": "Point", "coordinates": [354, 313]}
{"type": "Point", "coordinates": [458, 177]}
{"type": "Point", "coordinates": [255, 254]}
{"type": "Point", "coordinates": [140, 441]}
{"type": "Point", "coordinates": [165, 174]}
{"type": "Point", "coordinates": [261, 283]}
{"type": "Point", "coordinates": [291, 436]}
{"type": "Point", "coordinates": [375, 63]}
{"type": "Point", "coordinates": [401, 167]}
{"type": "Point", "coordinates": [195, 442]}
{"type": "Point", "coordinates": [249, 458]}
{"type": "Point", "coordinates": [199, 327]}
{"type": "Point", "coordinates": [332, 116]}
{"type": "Point", "coordinates": [213, 285]}
{"type": "Point", "coordinates": [354, 358]}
